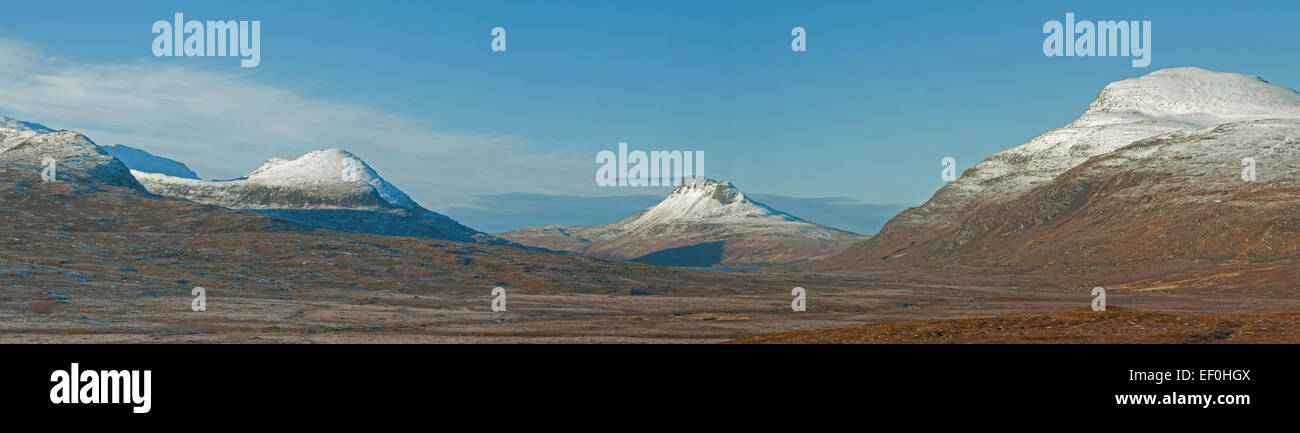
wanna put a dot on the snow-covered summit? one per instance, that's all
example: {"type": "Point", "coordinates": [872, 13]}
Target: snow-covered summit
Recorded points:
{"type": "Point", "coordinates": [1125, 111]}
{"type": "Point", "coordinates": [327, 166]}
{"type": "Point", "coordinates": [26, 146]}
{"type": "Point", "coordinates": [701, 199]}
{"type": "Point", "coordinates": [1199, 95]}
{"type": "Point", "coordinates": [13, 132]}
{"type": "Point", "coordinates": [331, 189]}
{"type": "Point", "coordinates": [322, 179]}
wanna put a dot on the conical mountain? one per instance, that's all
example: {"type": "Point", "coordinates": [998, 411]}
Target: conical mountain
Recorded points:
{"type": "Point", "coordinates": [702, 223]}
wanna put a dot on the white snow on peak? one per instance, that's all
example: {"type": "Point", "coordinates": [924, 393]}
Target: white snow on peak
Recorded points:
{"type": "Point", "coordinates": [26, 144]}
{"type": "Point", "coordinates": [1198, 95]}
{"type": "Point", "coordinates": [331, 189]}
{"type": "Point", "coordinates": [325, 166]}
{"type": "Point", "coordinates": [320, 174]}
{"type": "Point", "coordinates": [13, 132]}
{"type": "Point", "coordinates": [700, 199]}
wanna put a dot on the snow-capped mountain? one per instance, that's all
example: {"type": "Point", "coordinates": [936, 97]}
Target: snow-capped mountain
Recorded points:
{"type": "Point", "coordinates": [140, 160]}
{"type": "Point", "coordinates": [1152, 169]}
{"type": "Point", "coordinates": [701, 223]}
{"type": "Point", "coordinates": [1125, 111]}
{"type": "Point", "coordinates": [330, 189]}
{"type": "Point", "coordinates": [703, 199]}
{"type": "Point", "coordinates": [24, 146]}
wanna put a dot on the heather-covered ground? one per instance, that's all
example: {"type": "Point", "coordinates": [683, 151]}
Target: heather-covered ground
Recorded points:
{"type": "Point", "coordinates": [95, 263]}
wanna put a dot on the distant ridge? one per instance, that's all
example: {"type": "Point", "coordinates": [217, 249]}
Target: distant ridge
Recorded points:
{"type": "Point", "coordinates": [140, 160]}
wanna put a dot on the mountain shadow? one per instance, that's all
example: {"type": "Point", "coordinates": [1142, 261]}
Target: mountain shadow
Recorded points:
{"type": "Point", "coordinates": [696, 256]}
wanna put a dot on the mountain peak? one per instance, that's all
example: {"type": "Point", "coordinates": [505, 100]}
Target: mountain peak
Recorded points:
{"type": "Point", "coordinates": [331, 189]}
{"type": "Point", "coordinates": [314, 165]}
{"type": "Point", "coordinates": [25, 144]}
{"type": "Point", "coordinates": [700, 198]}
{"type": "Point", "coordinates": [1124, 112]}
{"type": "Point", "coordinates": [700, 187]}
{"type": "Point", "coordinates": [1191, 92]}
{"type": "Point", "coordinates": [327, 165]}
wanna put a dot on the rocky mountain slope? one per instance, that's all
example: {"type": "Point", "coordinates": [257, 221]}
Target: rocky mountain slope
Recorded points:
{"type": "Point", "coordinates": [701, 223]}
{"type": "Point", "coordinates": [1151, 172]}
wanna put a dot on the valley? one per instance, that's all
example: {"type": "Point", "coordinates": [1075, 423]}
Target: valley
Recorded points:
{"type": "Point", "coordinates": [1142, 195]}
{"type": "Point", "coordinates": [124, 273]}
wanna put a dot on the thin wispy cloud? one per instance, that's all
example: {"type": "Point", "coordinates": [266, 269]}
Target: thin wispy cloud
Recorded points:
{"type": "Point", "coordinates": [224, 124]}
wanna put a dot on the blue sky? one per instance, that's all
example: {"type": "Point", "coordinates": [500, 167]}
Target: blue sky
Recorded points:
{"type": "Point", "coordinates": [884, 92]}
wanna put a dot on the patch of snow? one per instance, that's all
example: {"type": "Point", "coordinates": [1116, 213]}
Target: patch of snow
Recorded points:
{"type": "Point", "coordinates": [139, 160]}
{"type": "Point", "coordinates": [703, 199]}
